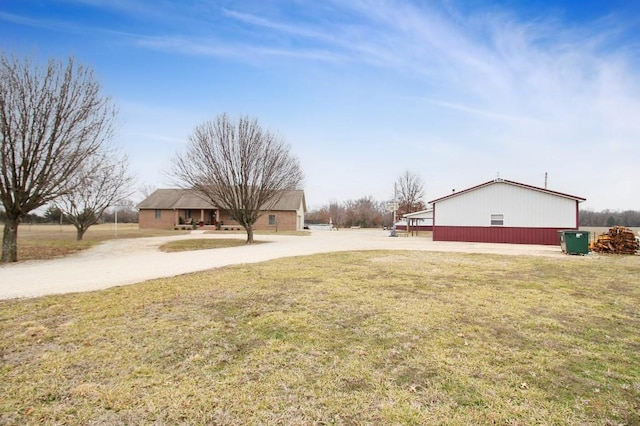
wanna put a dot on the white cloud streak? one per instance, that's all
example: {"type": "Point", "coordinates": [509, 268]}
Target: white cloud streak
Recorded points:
{"type": "Point", "coordinates": [535, 90]}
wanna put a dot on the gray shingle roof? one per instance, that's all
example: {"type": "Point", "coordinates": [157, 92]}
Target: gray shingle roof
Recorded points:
{"type": "Point", "coordinates": [172, 198]}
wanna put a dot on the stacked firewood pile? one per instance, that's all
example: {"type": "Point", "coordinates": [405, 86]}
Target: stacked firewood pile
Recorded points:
{"type": "Point", "coordinates": [619, 240]}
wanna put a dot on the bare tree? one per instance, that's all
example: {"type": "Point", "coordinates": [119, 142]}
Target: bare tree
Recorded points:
{"type": "Point", "coordinates": [146, 190]}
{"type": "Point", "coordinates": [336, 213]}
{"type": "Point", "coordinates": [410, 193]}
{"type": "Point", "coordinates": [124, 212]}
{"type": "Point", "coordinates": [51, 120]}
{"type": "Point", "coordinates": [103, 181]}
{"type": "Point", "coordinates": [238, 166]}
{"type": "Point", "coordinates": [331, 213]}
{"type": "Point", "coordinates": [364, 212]}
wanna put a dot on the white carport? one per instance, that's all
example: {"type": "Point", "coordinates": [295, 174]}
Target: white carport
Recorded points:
{"type": "Point", "coordinates": [419, 221]}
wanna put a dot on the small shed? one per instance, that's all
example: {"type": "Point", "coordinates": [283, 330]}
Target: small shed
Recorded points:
{"type": "Point", "coordinates": [504, 211]}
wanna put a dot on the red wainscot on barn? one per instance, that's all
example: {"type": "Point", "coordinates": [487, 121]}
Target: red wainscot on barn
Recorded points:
{"type": "Point", "coordinates": [503, 211]}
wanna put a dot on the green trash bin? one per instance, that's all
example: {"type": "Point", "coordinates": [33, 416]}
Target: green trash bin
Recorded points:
{"type": "Point", "coordinates": [574, 242]}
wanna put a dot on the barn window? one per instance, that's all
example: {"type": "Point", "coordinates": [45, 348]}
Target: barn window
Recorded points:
{"type": "Point", "coordinates": [158, 213]}
{"type": "Point", "coordinates": [497, 219]}
{"type": "Point", "coordinates": [272, 219]}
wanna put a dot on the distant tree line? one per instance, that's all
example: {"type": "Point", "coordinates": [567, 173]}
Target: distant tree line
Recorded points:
{"type": "Point", "coordinates": [369, 213]}
{"type": "Point", "coordinates": [28, 218]}
{"type": "Point", "coordinates": [364, 212]}
{"type": "Point", "coordinates": [609, 218]}
{"type": "Point", "coordinates": [53, 215]}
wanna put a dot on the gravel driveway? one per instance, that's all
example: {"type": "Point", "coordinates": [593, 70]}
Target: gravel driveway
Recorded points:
{"type": "Point", "coordinates": [129, 261]}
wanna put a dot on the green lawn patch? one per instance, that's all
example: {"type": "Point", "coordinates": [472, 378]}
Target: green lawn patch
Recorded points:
{"type": "Point", "coordinates": [346, 338]}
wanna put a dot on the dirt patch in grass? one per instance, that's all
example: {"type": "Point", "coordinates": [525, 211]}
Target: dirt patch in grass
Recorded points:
{"type": "Point", "coordinates": [262, 232]}
{"type": "Point", "coordinates": [342, 338]}
{"type": "Point", "coordinates": [40, 242]}
{"type": "Point", "coordinates": [203, 244]}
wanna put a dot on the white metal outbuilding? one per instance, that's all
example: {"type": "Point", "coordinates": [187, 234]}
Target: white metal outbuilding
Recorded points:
{"type": "Point", "coordinates": [504, 211]}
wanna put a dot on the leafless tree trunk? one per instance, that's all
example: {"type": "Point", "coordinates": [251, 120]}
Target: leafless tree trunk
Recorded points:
{"type": "Point", "coordinates": [410, 192]}
{"type": "Point", "coordinates": [336, 213]}
{"type": "Point", "coordinates": [51, 120]}
{"type": "Point", "coordinates": [103, 181]}
{"type": "Point", "coordinates": [238, 166]}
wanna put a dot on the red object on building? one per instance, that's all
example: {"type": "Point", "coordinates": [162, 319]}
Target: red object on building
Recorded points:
{"type": "Point", "coordinates": [503, 211]}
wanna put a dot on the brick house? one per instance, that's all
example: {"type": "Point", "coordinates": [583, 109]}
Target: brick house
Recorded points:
{"type": "Point", "coordinates": [169, 208]}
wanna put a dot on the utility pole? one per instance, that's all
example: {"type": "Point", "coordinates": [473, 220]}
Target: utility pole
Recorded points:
{"type": "Point", "coordinates": [395, 207]}
{"type": "Point", "coordinates": [116, 223]}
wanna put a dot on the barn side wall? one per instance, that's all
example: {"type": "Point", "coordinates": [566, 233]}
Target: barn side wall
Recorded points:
{"type": "Point", "coordinates": [520, 208]}
{"type": "Point", "coordinates": [543, 236]}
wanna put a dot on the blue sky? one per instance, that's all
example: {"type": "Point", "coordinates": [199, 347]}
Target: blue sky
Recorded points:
{"type": "Point", "coordinates": [362, 90]}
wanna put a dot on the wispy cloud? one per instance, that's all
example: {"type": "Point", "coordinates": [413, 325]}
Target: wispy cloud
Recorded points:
{"type": "Point", "coordinates": [282, 27]}
{"type": "Point", "coordinates": [485, 80]}
{"type": "Point", "coordinates": [33, 22]}
{"type": "Point", "coordinates": [483, 112]}
{"type": "Point", "coordinates": [65, 26]}
{"type": "Point", "coordinates": [239, 51]}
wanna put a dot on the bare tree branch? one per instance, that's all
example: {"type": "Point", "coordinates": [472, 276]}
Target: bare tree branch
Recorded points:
{"type": "Point", "coordinates": [103, 181]}
{"type": "Point", "coordinates": [410, 192]}
{"type": "Point", "coordinates": [51, 120]}
{"type": "Point", "coordinates": [238, 166]}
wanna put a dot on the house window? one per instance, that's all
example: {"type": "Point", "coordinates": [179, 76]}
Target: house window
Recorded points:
{"type": "Point", "coordinates": [497, 219]}
{"type": "Point", "coordinates": [187, 214]}
{"type": "Point", "coordinates": [272, 220]}
{"type": "Point", "coordinates": [158, 213]}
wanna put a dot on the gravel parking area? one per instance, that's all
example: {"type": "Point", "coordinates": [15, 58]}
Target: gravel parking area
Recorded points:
{"type": "Point", "coordinates": [128, 261]}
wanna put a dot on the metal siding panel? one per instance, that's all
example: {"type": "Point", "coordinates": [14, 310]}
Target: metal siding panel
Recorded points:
{"type": "Point", "coordinates": [529, 208]}
{"type": "Point", "coordinates": [542, 236]}
{"type": "Point", "coordinates": [522, 207]}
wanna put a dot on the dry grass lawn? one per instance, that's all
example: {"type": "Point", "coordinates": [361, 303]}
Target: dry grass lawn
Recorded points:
{"type": "Point", "coordinates": [345, 338]}
{"type": "Point", "coordinates": [39, 242]}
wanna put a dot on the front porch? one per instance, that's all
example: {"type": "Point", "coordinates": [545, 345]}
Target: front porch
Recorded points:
{"type": "Point", "coordinates": [203, 227]}
{"type": "Point", "coordinates": [204, 219]}
{"type": "Point", "coordinates": [200, 217]}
